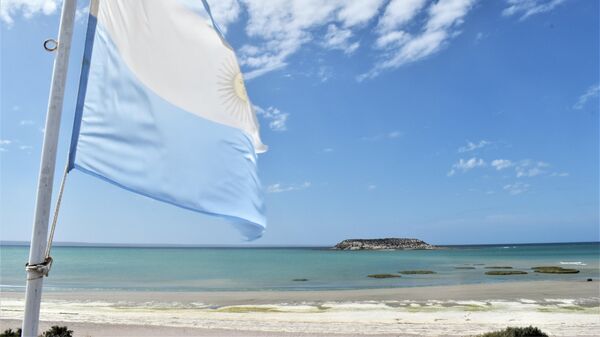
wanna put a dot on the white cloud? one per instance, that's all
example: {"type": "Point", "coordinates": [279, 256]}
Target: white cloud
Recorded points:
{"type": "Point", "coordinates": [278, 187]}
{"type": "Point", "coordinates": [591, 93]}
{"type": "Point", "coordinates": [280, 27]}
{"type": "Point", "coordinates": [529, 168]}
{"type": "Point", "coordinates": [224, 12]}
{"type": "Point", "coordinates": [371, 187]}
{"type": "Point", "coordinates": [354, 13]}
{"type": "Point", "coordinates": [25, 147]}
{"type": "Point", "coordinates": [473, 146]}
{"type": "Point", "coordinates": [443, 17]}
{"type": "Point", "coordinates": [390, 135]}
{"type": "Point", "coordinates": [28, 8]}
{"type": "Point", "coordinates": [394, 134]}
{"type": "Point", "coordinates": [81, 13]}
{"type": "Point", "coordinates": [327, 150]}
{"type": "Point", "coordinates": [399, 12]}
{"type": "Point", "coordinates": [324, 73]}
{"type": "Point", "coordinates": [516, 188]}
{"type": "Point", "coordinates": [527, 8]}
{"type": "Point", "coordinates": [339, 38]}
{"type": "Point", "coordinates": [560, 174]}
{"type": "Point", "coordinates": [277, 119]}
{"type": "Point", "coordinates": [277, 29]}
{"type": "Point", "coordinates": [391, 39]}
{"type": "Point", "coordinates": [466, 165]}
{"type": "Point", "coordinates": [26, 122]}
{"type": "Point", "coordinates": [501, 164]}
{"type": "Point", "coordinates": [3, 144]}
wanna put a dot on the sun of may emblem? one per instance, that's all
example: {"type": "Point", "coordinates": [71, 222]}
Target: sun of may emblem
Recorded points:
{"type": "Point", "coordinates": [233, 91]}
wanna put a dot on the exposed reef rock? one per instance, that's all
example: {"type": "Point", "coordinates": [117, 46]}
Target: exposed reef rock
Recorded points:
{"type": "Point", "coordinates": [383, 244]}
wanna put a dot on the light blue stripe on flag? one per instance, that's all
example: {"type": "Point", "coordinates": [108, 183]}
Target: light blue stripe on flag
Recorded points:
{"type": "Point", "coordinates": [128, 134]}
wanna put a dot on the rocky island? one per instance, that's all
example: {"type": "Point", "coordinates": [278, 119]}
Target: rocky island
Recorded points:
{"type": "Point", "coordinates": [383, 244]}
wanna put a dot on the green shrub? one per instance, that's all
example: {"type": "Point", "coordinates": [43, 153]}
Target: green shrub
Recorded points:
{"type": "Point", "coordinates": [529, 331]}
{"type": "Point", "coordinates": [58, 331]}
{"type": "Point", "coordinates": [11, 333]}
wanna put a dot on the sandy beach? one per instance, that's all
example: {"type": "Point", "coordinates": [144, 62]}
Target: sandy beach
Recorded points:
{"type": "Point", "coordinates": [560, 308]}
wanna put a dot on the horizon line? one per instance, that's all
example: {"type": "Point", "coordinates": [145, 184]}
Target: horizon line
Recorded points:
{"type": "Point", "coordinates": [241, 245]}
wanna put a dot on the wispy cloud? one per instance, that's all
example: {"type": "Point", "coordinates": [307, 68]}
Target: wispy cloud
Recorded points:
{"type": "Point", "coordinates": [501, 164]}
{"type": "Point", "coordinates": [530, 168]}
{"type": "Point", "coordinates": [279, 187]}
{"type": "Point", "coordinates": [516, 188]}
{"type": "Point", "coordinates": [527, 8]}
{"type": "Point", "coordinates": [473, 146]}
{"type": "Point", "coordinates": [277, 120]}
{"type": "Point", "coordinates": [25, 122]}
{"type": "Point", "coordinates": [591, 93]}
{"type": "Point", "coordinates": [464, 165]}
{"type": "Point", "coordinates": [381, 136]}
{"type": "Point", "coordinates": [340, 38]}
{"type": "Point", "coordinates": [28, 8]}
{"type": "Point", "coordinates": [3, 144]}
{"type": "Point", "coordinates": [443, 18]}
{"type": "Point", "coordinates": [25, 147]}
{"type": "Point", "coordinates": [279, 28]}
{"type": "Point", "coordinates": [327, 150]}
{"type": "Point", "coordinates": [371, 187]}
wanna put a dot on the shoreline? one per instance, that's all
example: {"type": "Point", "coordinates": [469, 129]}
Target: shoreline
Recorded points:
{"type": "Point", "coordinates": [515, 290]}
{"type": "Point", "coordinates": [560, 308]}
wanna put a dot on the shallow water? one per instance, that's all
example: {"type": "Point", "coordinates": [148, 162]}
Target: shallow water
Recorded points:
{"type": "Point", "coordinates": [212, 269]}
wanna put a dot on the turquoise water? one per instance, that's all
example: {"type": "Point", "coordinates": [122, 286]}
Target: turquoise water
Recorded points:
{"type": "Point", "coordinates": [212, 269]}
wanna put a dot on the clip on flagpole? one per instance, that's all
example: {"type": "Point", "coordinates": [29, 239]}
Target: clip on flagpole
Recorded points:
{"type": "Point", "coordinates": [38, 263]}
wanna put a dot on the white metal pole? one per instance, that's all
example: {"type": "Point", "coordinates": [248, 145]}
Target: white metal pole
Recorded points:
{"type": "Point", "coordinates": [33, 294]}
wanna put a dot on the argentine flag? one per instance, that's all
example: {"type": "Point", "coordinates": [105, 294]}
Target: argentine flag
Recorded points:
{"type": "Point", "coordinates": [162, 110]}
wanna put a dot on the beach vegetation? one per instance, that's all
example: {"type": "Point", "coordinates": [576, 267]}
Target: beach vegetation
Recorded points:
{"type": "Point", "coordinates": [529, 331]}
{"type": "Point", "coordinates": [505, 272]}
{"type": "Point", "coordinates": [11, 333]}
{"type": "Point", "coordinates": [300, 280]}
{"type": "Point", "coordinates": [383, 275]}
{"type": "Point", "coordinates": [54, 331]}
{"type": "Point", "coordinates": [464, 267]}
{"type": "Point", "coordinates": [58, 331]}
{"type": "Point", "coordinates": [416, 272]}
{"type": "Point", "coordinates": [498, 267]}
{"type": "Point", "coordinates": [554, 270]}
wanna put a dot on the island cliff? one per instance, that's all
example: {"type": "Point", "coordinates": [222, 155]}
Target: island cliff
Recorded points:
{"type": "Point", "coordinates": [388, 243]}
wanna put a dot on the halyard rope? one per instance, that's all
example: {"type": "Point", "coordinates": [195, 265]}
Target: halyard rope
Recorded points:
{"type": "Point", "coordinates": [56, 209]}
{"type": "Point", "coordinates": [44, 267]}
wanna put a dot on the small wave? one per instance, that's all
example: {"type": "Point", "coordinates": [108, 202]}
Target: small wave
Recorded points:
{"type": "Point", "coordinates": [11, 286]}
{"type": "Point", "coordinates": [576, 263]}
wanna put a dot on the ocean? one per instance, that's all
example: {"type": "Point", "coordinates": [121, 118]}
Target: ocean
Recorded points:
{"type": "Point", "coordinates": [181, 269]}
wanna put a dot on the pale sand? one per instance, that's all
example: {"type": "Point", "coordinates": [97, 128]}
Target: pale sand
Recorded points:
{"type": "Point", "coordinates": [557, 307]}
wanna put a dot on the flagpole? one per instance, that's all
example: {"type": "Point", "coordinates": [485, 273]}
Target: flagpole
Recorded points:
{"type": "Point", "coordinates": [35, 276]}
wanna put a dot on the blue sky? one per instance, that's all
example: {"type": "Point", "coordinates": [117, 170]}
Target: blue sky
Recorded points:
{"type": "Point", "coordinates": [456, 121]}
